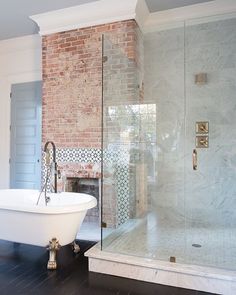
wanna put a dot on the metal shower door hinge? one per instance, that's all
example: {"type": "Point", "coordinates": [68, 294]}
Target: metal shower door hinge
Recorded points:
{"type": "Point", "coordinates": [103, 224]}
{"type": "Point", "coordinates": [173, 259]}
{"type": "Point", "coordinates": [105, 59]}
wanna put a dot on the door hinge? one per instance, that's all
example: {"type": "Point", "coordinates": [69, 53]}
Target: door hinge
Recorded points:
{"type": "Point", "coordinates": [10, 127]}
{"type": "Point", "coordinates": [105, 59]}
{"type": "Point", "coordinates": [103, 224]}
{"type": "Point", "coordinates": [9, 161]}
{"type": "Point", "coordinates": [11, 95]}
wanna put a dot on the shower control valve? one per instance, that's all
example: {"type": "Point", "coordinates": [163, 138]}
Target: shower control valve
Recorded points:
{"type": "Point", "coordinates": [202, 142]}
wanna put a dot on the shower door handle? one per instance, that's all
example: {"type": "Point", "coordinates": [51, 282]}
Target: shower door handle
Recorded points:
{"type": "Point", "coordinates": [194, 159]}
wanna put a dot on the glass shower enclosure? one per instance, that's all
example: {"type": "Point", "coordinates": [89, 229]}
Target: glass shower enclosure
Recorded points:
{"type": "Point", "coordinates": [169, 144]}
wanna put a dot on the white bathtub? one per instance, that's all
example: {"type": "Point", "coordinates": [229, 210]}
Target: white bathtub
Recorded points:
{"type": "Point", "coordinates": [22, 221]}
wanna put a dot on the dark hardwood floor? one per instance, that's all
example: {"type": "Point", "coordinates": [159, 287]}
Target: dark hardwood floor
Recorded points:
{"type": "Point", "coordinates": [23, 271]}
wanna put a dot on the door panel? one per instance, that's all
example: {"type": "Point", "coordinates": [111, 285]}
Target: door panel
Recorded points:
{"type": "Point", "coordinates": [26, 135]}
{"type": "Point", "coordinates": [210, 189]}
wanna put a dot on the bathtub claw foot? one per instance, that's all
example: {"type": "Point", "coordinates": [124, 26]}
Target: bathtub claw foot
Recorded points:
{"type": "Point", "coordinates": [75, 247]}
{"type": "Point", "coordinates": [53, 247]}
{"type": "Point", "coordinates": [52, 265]}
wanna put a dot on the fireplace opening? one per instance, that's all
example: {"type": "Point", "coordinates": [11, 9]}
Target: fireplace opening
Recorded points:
{"type": "Point", "coordinates": [86, 186]}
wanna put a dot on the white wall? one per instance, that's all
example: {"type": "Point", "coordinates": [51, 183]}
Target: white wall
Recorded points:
{"type": "Point", "coordinates": [20, 61]}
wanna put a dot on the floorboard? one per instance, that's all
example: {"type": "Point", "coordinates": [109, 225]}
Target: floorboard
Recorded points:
{"type": "Point", "coordinates": [23, 272]}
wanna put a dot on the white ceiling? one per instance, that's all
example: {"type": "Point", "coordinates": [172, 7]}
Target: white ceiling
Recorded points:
{"type": "Point", "coordinates": [158, 5]}
{"type": "Point", "coordinates": [14, 14]}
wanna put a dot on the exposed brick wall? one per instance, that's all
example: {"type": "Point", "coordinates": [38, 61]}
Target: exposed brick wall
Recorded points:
{"type": "Point", "coordinates": [72, 82]}
{"type": "Point", "coordinates": [72, 93]}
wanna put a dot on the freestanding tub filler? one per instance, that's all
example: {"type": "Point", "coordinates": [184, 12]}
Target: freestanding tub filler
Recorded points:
{"type": "Point", "coordinates": [52, 226]}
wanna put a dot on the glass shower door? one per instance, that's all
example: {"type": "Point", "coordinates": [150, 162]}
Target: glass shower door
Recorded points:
{"type": "Point", "coordinates": [143, 144]}
{"type": "Point", "coordinates": [124, 194]}
{"type": "Point", "coordinates": [164, 86]}
{"type": "Point", "coordinates": [210, 186]}
{"type": "Point", "coordinates": [169, 144]}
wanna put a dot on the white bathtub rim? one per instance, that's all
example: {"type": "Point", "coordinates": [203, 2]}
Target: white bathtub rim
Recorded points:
{"type": "Point", "coordinates": [65, 208]}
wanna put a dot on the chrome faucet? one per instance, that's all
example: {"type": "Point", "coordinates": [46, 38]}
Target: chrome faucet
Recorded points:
{"type": "Point", "coordinates": [54, 161]}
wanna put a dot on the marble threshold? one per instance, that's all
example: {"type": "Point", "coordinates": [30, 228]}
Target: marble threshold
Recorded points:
{"type": "Point", "coordinates": [206, 279]}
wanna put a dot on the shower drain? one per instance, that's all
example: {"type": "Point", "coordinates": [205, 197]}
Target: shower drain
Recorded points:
{"type": "Point", "coordinates": [197, 245]}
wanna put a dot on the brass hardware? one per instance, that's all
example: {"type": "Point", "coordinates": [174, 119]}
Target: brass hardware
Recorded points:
{"type": "Point", "coordinates": [103, 224]}
{"type": "Point", "coordinates": [173, 259]}
{"type": "Point", "coordinates": [201, 78]}
{"type": "Point", "coordinates": [194, 159]}
{"type": "Point", "coordinates": [202, 142]}
{"type": "Point", "coordinates": [202, 127]}
{"type": "Point", "coordinates": [105, 59]}
{"type": "Point", "coordinates": [75, 247]}
{"type": "Point", "coordinates": [53, 247]}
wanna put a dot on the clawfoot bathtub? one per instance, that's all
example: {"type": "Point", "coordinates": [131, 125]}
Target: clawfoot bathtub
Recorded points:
{"type": "Point", "coordinates": [52, 226]}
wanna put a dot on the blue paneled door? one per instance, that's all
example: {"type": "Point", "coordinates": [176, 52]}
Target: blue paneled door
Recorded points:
{"type": "Point", "coordinates": [26, 117]}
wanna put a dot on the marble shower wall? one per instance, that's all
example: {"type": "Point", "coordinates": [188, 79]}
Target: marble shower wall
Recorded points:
{"type": "Point", "coordinates": [164, 87]}
{"type": "Point", "coordinates": [211, 191]}
{"type": "Point", "coordinates": [206, 197]}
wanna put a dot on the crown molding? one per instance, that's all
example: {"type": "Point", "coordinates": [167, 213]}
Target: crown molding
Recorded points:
{"type": "Point", "coordinates": [109, 11]}
{"type": "Point", "coordinates": [141, 13]}
{"type": "Point", "coordinates": [90, 14]}
{"type": "Point", "coordinates": [198, 13]}
{"type": "Point", "coordinates": [20, 43]}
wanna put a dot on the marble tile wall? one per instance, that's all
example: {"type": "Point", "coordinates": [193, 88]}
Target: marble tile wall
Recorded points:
{"type": "Point", "coordinates": [205, 197]}
{"type": "Point", "coordinates": [164, 87]}
{"type": "Point", "coordinates": [210, 191]}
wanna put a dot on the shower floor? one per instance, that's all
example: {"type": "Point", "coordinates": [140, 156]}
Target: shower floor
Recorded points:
{"type": "Point", "coordinates": [156, 239]}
